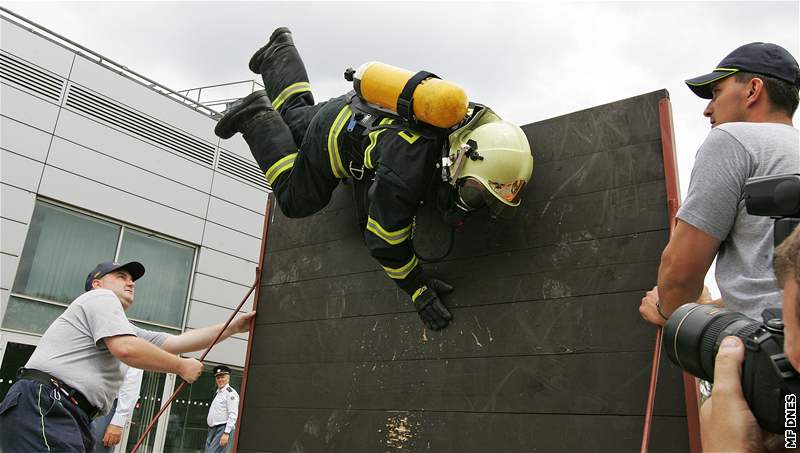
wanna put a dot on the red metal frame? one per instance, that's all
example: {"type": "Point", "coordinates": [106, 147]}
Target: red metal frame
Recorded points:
{"type": "Point", "coordinates": [260, 269]}
{"type": "Point", "coordinates": [690, 389]}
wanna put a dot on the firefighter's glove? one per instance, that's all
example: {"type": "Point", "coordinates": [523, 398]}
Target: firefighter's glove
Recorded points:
{"type": "Point", "coordinates": [430, 308]}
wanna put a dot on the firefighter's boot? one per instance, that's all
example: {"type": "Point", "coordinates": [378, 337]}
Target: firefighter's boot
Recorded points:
{"type": "Point", "coordinates": [242, 112]}
{"type": "Point", "coordinates": [281, 37]}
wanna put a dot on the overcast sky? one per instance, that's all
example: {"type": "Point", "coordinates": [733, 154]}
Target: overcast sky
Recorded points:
{"type": "Point", "coordinates": [528, 61]}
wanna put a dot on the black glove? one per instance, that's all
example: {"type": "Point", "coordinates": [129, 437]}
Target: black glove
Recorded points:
{"type": "Point", "coordinates": [430, 308]}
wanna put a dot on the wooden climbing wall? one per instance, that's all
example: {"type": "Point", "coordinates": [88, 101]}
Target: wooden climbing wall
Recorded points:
{"type": "Point", "coordinates": [547, 351]}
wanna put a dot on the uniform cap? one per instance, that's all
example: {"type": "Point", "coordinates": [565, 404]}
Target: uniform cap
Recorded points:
{"type": "Point", "coordinates": [221, 369]}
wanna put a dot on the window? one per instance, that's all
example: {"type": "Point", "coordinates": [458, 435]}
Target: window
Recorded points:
{"type": "Point", "coordinates": [187, 428]}
{"type": "Point", "coordinates": [63, 246]}
{"type": "Point", "coordinates": [161, 294]}
{"type": "Point", "coordinates": [16, 355]}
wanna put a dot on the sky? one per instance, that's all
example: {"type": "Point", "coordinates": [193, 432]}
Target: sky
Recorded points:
{"type": "Point", "coordinates": [529, 61]}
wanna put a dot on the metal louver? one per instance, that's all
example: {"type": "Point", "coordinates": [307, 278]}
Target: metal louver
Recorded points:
{"type": "Point", "coordinates": [130, 120]}
{"type": "Point", "coordinates": [32, 78]}
{"type": "Point", "coordinates": [241, 169]}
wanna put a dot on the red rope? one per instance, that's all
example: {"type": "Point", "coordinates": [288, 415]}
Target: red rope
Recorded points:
{"type": "Point", "coordinates": [183, 384]}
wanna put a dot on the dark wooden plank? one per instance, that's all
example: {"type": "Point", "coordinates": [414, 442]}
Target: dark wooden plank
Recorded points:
{"type": "Point", "coordinates": [597, 383]}
{"type": "Point", "coordinates": [348, 430]}
{"type": "Point", "coordinates": [631, 165]}
{"type": "Point", "coordinates": [598, 129]}
{"type": "Point", "coordinates": [476, 291]}
{"type": "Point", "coordinates": [607, 322]}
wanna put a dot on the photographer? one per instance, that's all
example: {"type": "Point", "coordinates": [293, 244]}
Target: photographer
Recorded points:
{"type": "Point", "coordinates": [726, 421]}
{"type": "Point", "coordinates": [753, 95]}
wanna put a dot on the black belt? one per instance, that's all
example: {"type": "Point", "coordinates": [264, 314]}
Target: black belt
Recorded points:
{"type": "Point", "coordinates": [74, 396]}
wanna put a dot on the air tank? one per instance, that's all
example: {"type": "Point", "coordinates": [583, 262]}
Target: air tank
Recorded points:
{"type": "Point", "coordinates": [436, 102]}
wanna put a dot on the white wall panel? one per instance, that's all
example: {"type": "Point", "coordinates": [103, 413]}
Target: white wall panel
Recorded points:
{"type": "Point", "coordinates": [238, 218]}
{"type": "Point", "coordinates": [4, 293]}
{"type": "Point", "coordinates": [28, 109]}
{"type": "Point", "coordinates": [126, 148]}
{"type": "Point", "coordinates": [220, 292]}
{"type": "Point", "coordinates": [16, 204]}
{"type": "Point", "coordinates": [74, 158]}
{"type": "Point", "coordinates": [202, 314]}
{"type": "Point", "coordinates": [239, 193]}
{"type": "Point", "coordinates": [237, 145]}
{"type": "Point", "coordinates": [8, 269]}
{"type": "Point", "coordinates": [214, 263]}
{"type": "Point", "coordinates": [20, 171]}
{"type": "Point", "coordinates": [231, 352]}
{"type": "Point", "coordinates": [143, 99]}
{"type": "Point", "coordinates": [35, 49]}
{"type": "Point", "coordinates": [12, 236]}
{"type": "Point", "coordinates": [23, 139]}
{"type": "Point", "coordinates": [117, 204]}
{"type": "Point", "coordinates": [231, 242]}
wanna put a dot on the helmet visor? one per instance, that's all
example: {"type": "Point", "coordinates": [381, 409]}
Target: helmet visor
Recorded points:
{"type": "Point", "coordinates": [474, 196]}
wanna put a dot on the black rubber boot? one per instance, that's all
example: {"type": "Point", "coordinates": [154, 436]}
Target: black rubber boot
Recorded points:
{"type": "Point", "coordinates": [241, 112]}
{"type": "Point", "coordinates": [282, 36]}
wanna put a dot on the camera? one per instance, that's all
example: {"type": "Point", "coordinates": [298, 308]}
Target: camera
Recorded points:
{"type": "Point", "coordinates": [693, 333]}
{"type": "Point", "coordinates": [777, 197]}
{"type": "Point", "coordinates": [692, 336]}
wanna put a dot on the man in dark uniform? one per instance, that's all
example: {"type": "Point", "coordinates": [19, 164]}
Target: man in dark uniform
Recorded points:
{"type": "Point", "coordinates": [223, 412]}
{"type": "Point", "coordinates": [306, 149]}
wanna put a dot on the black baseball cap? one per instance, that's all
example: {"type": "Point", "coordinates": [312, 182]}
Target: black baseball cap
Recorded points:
{"type": "Point", "coordinates": [757, 57]}
{"type": "Point", "coordinates": [134, 268]}
{"type": "Point", "coordinates": [221, 369]}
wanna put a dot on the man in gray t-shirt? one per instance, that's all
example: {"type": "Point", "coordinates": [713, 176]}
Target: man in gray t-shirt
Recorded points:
{"type": "Point", "coordinates": [753, 95]}
{"type": "Point", "coordinates": [76, 369]}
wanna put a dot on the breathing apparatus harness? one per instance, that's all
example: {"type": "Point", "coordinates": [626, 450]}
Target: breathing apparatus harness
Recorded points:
{"type": "Point", "coordinates": [366, 119]}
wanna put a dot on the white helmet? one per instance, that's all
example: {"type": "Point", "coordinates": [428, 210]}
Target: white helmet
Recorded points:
{"type": "Point", "coordinates": [492, 163]}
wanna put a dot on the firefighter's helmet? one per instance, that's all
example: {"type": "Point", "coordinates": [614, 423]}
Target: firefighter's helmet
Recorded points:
{"type": "Point", "coordinates": [493, 163]}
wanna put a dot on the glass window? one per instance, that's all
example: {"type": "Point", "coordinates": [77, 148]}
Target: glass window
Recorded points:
{"type": "Point", "coordinates": [187, 428]}
{"type": "Point", "coordinates": [25, 315]}
{"type": "Point", "coordinates": [161, 294]}
{"type": "Point", "coordinates": [16, 355]}
{"type": "Point", "coordinates": [62, 246]}
{"type": "Point", "coordinates": [146, 408]}
{"type": "Point", "coordinates": [60, 250]}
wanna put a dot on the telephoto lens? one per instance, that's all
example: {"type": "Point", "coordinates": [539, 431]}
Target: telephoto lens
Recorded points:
{"type": "Point", "coordinates": [693, 333]}
{"type": "Point", "coordinates": [692, 336]}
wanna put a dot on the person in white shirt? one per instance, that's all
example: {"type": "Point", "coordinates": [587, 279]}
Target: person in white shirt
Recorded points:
{"type": "Point", "coordinates": [108, 429]}
{"type": "Point", "coordinates": [223, 413]}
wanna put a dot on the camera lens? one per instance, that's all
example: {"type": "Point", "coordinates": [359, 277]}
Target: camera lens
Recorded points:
{"type": "Point", "coordinates": [693, 333]}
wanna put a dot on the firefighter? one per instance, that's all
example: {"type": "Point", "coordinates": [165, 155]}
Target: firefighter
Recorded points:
{"type": "Point", "coordinates": [307, 148]}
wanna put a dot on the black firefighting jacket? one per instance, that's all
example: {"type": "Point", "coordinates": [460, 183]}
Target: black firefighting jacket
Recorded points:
{"type": "Point", "coordinates": [403, 164]}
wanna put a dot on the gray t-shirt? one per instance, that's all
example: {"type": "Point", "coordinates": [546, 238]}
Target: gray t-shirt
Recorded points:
{"type": "Point", "coordinates": [71, 349]}
{"type": "Point", "coordinates": [731, 153]}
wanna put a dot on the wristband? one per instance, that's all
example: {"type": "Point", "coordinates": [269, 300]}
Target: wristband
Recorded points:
{"type": "Point", "coordinates": [660, 313]}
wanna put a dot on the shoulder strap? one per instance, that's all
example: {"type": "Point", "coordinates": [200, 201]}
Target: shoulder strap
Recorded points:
{"type": "Point", "coordinates": [359, 105]}
{"type": "Point", "coordinates": [405, 102]}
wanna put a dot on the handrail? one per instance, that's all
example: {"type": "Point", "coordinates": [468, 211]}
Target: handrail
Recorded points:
{"type": "Point", "coordinates": [199, 90]}
{"type": "Point", "coordinates": [120, 69]}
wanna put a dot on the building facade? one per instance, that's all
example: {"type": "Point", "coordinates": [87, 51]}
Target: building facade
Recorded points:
{"type": "Point", "coordinates": [98, 164]}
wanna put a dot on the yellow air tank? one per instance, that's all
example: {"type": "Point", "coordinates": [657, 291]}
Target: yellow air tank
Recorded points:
{"type": "Point", "coordinates": [435, 101]}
